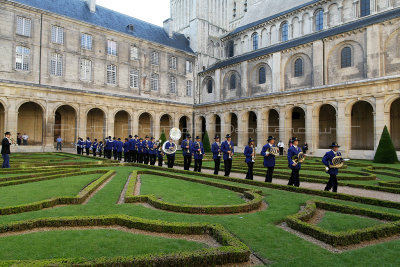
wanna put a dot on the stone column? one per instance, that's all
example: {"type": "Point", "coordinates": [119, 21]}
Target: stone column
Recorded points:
{"type": "Point", "coordinates": [343, 128]}
{"type": "Point", "coordinates": [197, 125]}
{"type": "Point", "coordinates": [110, 121]}
{"type": "Point", "coordinates": [379, 119]}
{"type": "Point", "coordinates": [48, 129]}
{"type": "Point", "coordinates": [134, 123]}
{"type": "Point", "coordinates": [156, 133]}
{"type": "Point", "coordinates": [283, 131]}
{"type": "Point", "coordinates": [261, 129]}
{"type": "Point", "coordinates": [11, 118]}
{"type": "Point", "coordinates": [81, 121]}
{"type": "Point", "coordinates": [326, 18]}
{"type": "Point", "coordinates": [243, 125]}
{"type": "Point", "coordinates": [309, 127]}
{"type": "Point", "coordinates": [210, 126]}
{"type": "Point", "coordinates": [374, 7]}
{"type": "Point", "coordinates": [341, 16]}
{"type": "Point", "coordinates": [355, 9]}
{"type": "Point", "coordinates": [301, 27]}
{"type": "Point", "coordinates": [225, 124]}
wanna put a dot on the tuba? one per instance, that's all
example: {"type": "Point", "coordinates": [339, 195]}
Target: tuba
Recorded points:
{"type": "Point", "coordinates": [299, 158]}
{"type": "Point", "coordinates": [175, 134]}
{"type": "Point", "coordinates": [337, 162]}
{"type": "Point", "coordinates": [273, 151]}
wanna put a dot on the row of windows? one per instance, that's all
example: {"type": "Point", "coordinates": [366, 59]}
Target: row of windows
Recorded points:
{"type": "Point", "coordinates": [57, 37]}
{"type": "Point", "coordinates": [365, 10]}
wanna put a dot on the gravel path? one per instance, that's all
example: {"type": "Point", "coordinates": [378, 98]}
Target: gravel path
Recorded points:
{"type": "Point", "coordinates": [317, 186]}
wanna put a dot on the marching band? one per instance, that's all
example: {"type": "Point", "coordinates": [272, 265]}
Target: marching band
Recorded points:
{"type": "Point", "coordinates": [149, 151]}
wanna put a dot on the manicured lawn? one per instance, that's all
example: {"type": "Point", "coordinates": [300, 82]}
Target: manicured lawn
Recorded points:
{"type": "Point", "coordinates": [188, 193]}
{"type": "Point", "coordinates": [336, 222]}
{"type": "Point", "coordinates": [89, 244]}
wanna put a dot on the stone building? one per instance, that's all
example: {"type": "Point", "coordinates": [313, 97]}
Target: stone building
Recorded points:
{"type": "Point", "coordinates": [321, 70]}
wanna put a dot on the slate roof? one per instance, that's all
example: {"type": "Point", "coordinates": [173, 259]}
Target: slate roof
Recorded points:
{"type": "Point", "coordinates": [112, 20]}
{"type": "Point", "coordinates": [360, 23]}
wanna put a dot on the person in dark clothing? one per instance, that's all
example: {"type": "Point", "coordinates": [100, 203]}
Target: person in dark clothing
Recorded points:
{"type": "Point", "coordinates": [5, 150]}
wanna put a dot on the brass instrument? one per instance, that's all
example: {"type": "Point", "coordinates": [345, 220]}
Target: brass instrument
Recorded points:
{"type": "Point", "coordinates": [199, 152]}
{"type": "Point", "coordinates": [175, 134]}
{"type": "Point", "coordinates": [253, 156]}
{"type": "Point", "coordinates": [337, 162]}
{"type": "Point", "coordinates": [299, 158]}
{"type": "Point", "coordinates": [219, 150]}
{"type": "Point", "coordinates": [230, 149]}
{"type": "Point", "coordinates": [273, 150]}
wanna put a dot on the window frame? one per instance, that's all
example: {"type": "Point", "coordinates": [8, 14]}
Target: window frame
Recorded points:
{"type": "Point", "coordinates": [189, 66]}
{"type": "Point", "coordinates": [134, 52]}
{"type": "Point", "coordinates": [112, 48]}
{"type": "Point", "coordinates": [86, 41]}
{"type": "Point", "coordinates": [172, 85]}
{"type": "Point", "coordinates": [210, 86]}
{"type": "Point", "coordinates": [56, 60]}
{"type": "Point", "coordinates": [298, 68]}
{"type": "Point", "coordinates": [319, 20]}
{"type": "Point", "coordinates": [346, 57]}
{"type": "Point", "coordinates": [86, 69]}
{"type": "Point", "coordinates": [173, 62]}
{"type": "Point", "coordinates": [365, 8]}
{"type": "Point", "coordinates": [57, 34]}
{"type": "Point", "coordinates": [134, 78]}
{"type": "Point", "coordinates": [111, 73]}
{"type": "Point", "coordinates": [25, 30]}
{"type": "Point", "coordinates": [284, 31]}
{"type": "Point", "coordinates": [255, 41]}
{"type": "Point", "coordinates": [189, 87]}
{"type": "Point", "coordinates": [25, 58]}
{"type": "Point", "coordinates": [155, 58]}
{"type": "Point", "coordinates": [232, 81]}
{"type": "Point", "coordinates": [264, 77]}
{"type": "Point", "coordinates": [155, 82]}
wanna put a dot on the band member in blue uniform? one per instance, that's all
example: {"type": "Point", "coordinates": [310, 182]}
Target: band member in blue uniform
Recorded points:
{"type": "Point", "coordinates": [78, 146]}
{"type": "Point", "coordinates": [135, 148]}
{"type": "Point", "coordinates": [227, 147]}
{"type": "Point", "coordinates": [100, 148]}
{"type": "Point", "coordinates": [88, 144]}
{"type": "Point", "coordinates": [140, 151]}
{"type": "Point", "coordinates": [109, 147]}
{"type": "Point", "coordinates": [333, 172]}
{"type": "Point", "coordinates": [94, 147]}
{"type": "Point", "coordinates": [198, 152]}
{"type": "Point", "coordinates": [269, 159]}
{"type": "Point", "coordinates": [126, 150]}
{"type": "Point", "coordinates": [131, 147]}
{"type": "Point", "coordinates": [115, 147]}
{"type": "Point", "coordinates": [187, 153]}
{"type": "Point", "coordinates": [170, 157]}
{"type": "Point", "coordinates": [216, 150]}
{"type": "Point", "coordinates": [294, 150]}
{"type": "Point", "coordinates": [153, 151]}
{"type": "Point", "coordinates": [119, 145]}
{"type": "Point", "coordinates": [160, 154]}
{"type": "Point", "coordinates": [146, 150]}
{"type": "Point", "coordinates": [250, 152]}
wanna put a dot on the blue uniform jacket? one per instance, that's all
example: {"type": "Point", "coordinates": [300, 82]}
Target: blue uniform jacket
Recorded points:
{"type": "Point", "coordinates": [195, 147]}
{"type": "Point", "coordinates": [131, 144]}
{"type": "Point", "coordinates": [185, 151]}
{"type": "Point", "coordinates": [248, 152]}
{"type": "Point", "coordinates": [101, 147]}
{"type": "Point", "coordinates": [168, 146]}
{"type": "Point", "coordinates": [95, 146]}
{"type": "Point", "coordinates": [115, 143]}
{"type": "Point", "coordinates": [88, 144]}
{"type": "Point", "coordinates": [140, 147]}
{"type": "Point", "coordinates": [79, 143]}
{"type": "Point", "coordinates": [126, 146]}
{"type": "Point", "coordinates": [291, 152]}
{"type": "Point", "coordinates": [146, 146]}
{"type": "Point", "coordinates": [269, 161]}
{"type": "Point", "coordinates": [160, 153]}
{"type": "Point", "coordinates": [327, 160]}
{"type": "Point", "coordinates": [225, 148]}
{"type": "Point", "coordinates": [119, 145]}
{"type": "Point", "coordinates": [108, 145]}
{"type": "Point", "coordinates": [152, 150]}
{"type": "Point", "coordinates": [215, 150]}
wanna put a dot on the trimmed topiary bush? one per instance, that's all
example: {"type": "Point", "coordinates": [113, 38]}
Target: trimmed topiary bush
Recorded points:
{"type": "Point", "coordinates": [206, 143]}
{"type": "Point", "coordinates": [163, 138]}
{"type": "Point", "coordinates": [386, 153]}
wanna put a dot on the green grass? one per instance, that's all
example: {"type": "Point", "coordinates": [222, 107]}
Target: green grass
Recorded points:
{"type": "Point", "coordinates": [36, 191]}
{"type": "Point", "coordinates": [188, 193]}
{"type": "Point", "coordinates": [89, 244]}
{"type": "Point", "coordinates": [336, 222]}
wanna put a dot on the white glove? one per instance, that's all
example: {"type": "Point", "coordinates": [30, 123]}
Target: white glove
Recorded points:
{"type": "Point", "coordinates": [294, 164]}
{"type": "Point", "coordinates": [326, 168]}
{"type": "Point", "coordinates": [267, 154]}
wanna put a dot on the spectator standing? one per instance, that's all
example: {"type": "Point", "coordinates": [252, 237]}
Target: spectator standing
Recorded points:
{"type": "Point", "coordinates": [25, 138]}
{"type": "Point", "coordinates": [19, 139]}
{"type": "Point", "coordinates": [5, 150]}
{"type": "Point", "coordinates": [281, 147]}
{"type": "Point", "coordinates": [59, 143]}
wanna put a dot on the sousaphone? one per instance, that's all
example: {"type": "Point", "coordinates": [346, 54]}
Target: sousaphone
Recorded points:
{"type": "Point", "coordinates": [175, 134]}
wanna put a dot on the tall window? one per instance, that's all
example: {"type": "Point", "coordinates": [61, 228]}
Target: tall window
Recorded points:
{"type": "Point", "coordinates": [231, 49]}
{"type": "Point", "coordinates": [365, 6]}
{"type": "Point", "coordinates": [57, 34]}
{"type": "Point", "coordinates": [298, 68]}
{"type": "Point", "coordinates": [24, 26]}
{"type": "Point", "coordinates": [86, 41]}
{"type": "Point", "coordinates": [255, 41]}
{"type": "Point", "coordinates": [154, 82]}
{"type": "Point", "coordinates": [234, 9]}
{"type": "Point", "coordinates": [319, 20]}
{"type": "Point", "coordinates": [172, 84]}
{"type": "Point", "coordinates": [22, 58]}
{"type": "Point", "coordinates": [209, 86]}
{"type": "Point", "coordinates": [56, 64]}
{"type": "Point", "coordinates": [111, 48]}
{"type": "Point", "coordinates": [262, 75]}
{"type": "Point", "coordinates": [134, 79]}
{"type": "Point", "coordinates": [155, 58]}
{"type": "Point", "coordinates": [189, 66]}
{"type": "Point", "coordinates": [112, 74]}
{"type": "Point", "coordinates": [284, 32]}
{"type": "Point", "coordinates": [86, 70]}
{"type": "Point", "coordinates": [172, 62]}
{"type": "Point", "coordinates": [232, 82]}
{"type": "Point", "coordinates": [134, 53]}
{"type": "Point", "coordinates": [189, 85]}
{"type": "Point", "coordinates": [346, 57]}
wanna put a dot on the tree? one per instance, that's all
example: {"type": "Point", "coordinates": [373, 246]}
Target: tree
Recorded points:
{"type": "Point", "coordinates": [163, 138]}
{"type": "Point", "coordinates": [206, 143]}
{"type": "Point", "coordinates": [385, 153]}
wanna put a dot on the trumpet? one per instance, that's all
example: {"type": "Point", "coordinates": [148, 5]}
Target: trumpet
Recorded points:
{"type": "Point", "coordinates": [219, 150]}
{"type": "Point", "coordinates": [230, 149]}
{"type": "Point", "coordinates": [199, 152]}
{"type": "Point", "coordinates": [253, 156]}
{"type": "Point", "coordinates": [273, 151]}
{"type": "Point", "coordinates": [299, 158]}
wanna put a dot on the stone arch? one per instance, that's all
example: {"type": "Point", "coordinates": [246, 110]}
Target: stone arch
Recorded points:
{"type": "Point", "coordinates": [166, 124]}
{"type": "Point", "coordinates": [274, 34]}
{"type": "Point", "coordinates": [31, 122]}
{"type": "Point", "coordinates": [273, 123]}
{"type": "Point", "coordinates": [184, 126]}
{"type": "Point", "coordinates": [145, 124]}
{"type": "Point", "coordinates": [347, 10]}
{"type": "Point", "coordinates": [333, 15]}
{"type": "Point", "coordinates": [327, 125]}
{"type": "Point", "coordinates": [65, 124]}
{"type": "Point", "coordinates": [303, 81]}
{"type": "Point", "coordinates": [252, 126]}
{"type": "Point", "coordinates": [395, 123]}
{"type": "Point", "coordinates": [298, 117]}
{"type": "Point", "coordinates": [206, 85]}
{"type": "Point", "coordinates": [234, 127]}
{"type": "Point", "coordinates": [95, 124]}
{"type": "Point", "coordinates": [122, 122]}
{"type": "Point", "coordinates": [218, 126]}
{"type": "Point", "coordinates": [306, 23]}
{"type": "Point", "coordinates": [362, 126]}
{"type": "Point", "coordinates": [237, 91]}
{"type": "Point", "coordinates": [296, 31]}
{"type": "Point", "coordinates": [254, 74]}
{"type": "Point", "coordinates": [264, 38]}
{"type": "Point", "coordinates": [337, 74]}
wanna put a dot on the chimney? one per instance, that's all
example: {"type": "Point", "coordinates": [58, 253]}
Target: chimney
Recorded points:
{"type": "Point", "coordinates": [168, 27]}
{"type": "Point", "coordinates": [92, 5]}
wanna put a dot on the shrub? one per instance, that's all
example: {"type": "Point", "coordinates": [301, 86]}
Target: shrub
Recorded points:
{"type": "Point", "coordinates": [163, 138]}
{"type": "Point", "coordinates": [206, 143]}
{"type": "Point", "coordinates": [385, 153]}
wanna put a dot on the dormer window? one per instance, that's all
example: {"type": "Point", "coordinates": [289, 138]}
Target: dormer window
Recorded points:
{"type": "Point", "coordinates": [130, 28]}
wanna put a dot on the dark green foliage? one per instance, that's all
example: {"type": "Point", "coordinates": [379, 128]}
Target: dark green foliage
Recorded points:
{"type": "Point", "coordinates": [206, 143]}
{"type": "Point", "coordinates": [163, 138]}
{"type": "Point", "coordinates": [386, 153]}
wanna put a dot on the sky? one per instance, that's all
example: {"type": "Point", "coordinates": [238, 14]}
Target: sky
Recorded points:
{"type": "Point", "coordinates": [153, 11]}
